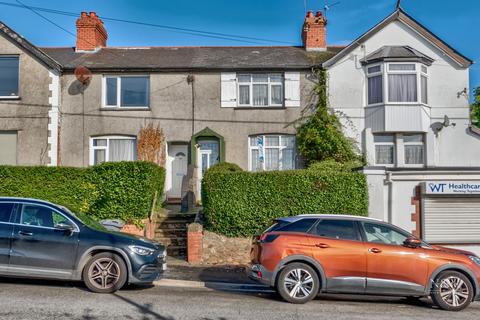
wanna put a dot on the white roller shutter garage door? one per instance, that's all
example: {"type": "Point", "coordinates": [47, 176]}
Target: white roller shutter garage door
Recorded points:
{"type": "Point", "coordinates": [451, 219]}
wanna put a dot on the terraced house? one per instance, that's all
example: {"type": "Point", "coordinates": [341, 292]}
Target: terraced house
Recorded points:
{"type": "Point", "coordinates": [400, 90]}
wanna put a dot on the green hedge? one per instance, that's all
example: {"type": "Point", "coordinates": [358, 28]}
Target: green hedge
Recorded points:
{"type": "Point", "coordinates": [122, 190]}
{"type": "Point", "coordinates": [242, 203]}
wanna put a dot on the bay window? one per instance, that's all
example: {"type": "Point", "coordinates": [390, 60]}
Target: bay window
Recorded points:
{"type": "Point", "coordinates": [404, 83]}
{"type": "Point", "coordinates": [384, 149]}
{"type": "Point", "coordinates": [112, 149]}
{"type": "Point", "coordinates": [260, 89]}
{"type": "Point", "coordinates": [414, 149]}
{"type": "Point", "coordinates": [272, 152]}
{"type": "Point", "coordinates": [126, 91]}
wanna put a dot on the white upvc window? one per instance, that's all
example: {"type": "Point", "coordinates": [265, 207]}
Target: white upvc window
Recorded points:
{"type": "Point", "coordinates": [112, 149]}
{"type": "Point", "coordinates": [397, 83]}
{"type": "Point", "coordinates": [271, 152]}
{"type": "Point", "coordinates": [260, 90]}
{"type": "Point", "coordinates": [399, 149]}
{"type": "Point", "coordinates": [126, 91]}
{"type": "Point", "coordinates": [9, 77]}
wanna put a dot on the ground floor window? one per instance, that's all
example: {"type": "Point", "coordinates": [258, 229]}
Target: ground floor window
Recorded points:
{"type": "Point", "coordinates": [113, 149]}
{"type": "Point", "coordinates": [272, 152]}
{"type": "Point", "coordinates": [399, 149]}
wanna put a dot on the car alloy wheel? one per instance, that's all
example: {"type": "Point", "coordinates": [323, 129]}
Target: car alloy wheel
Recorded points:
{"type": "Point", "coordinates": [104, 273]}
{"type": "Point", "coordinates": [298, 283]}
{"type": "Point", "coordinates": [454, 291]}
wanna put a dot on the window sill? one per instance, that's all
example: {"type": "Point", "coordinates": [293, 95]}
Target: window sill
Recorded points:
{"type": "Point", "coordinates": [10, 98]}
{"type": "Point", "coordinates": [125, 109]}
{"type": "Point", "coordinates": [261, 108]}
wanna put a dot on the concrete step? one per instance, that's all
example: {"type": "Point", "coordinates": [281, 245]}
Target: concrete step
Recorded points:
{"type": "Point", "coordinates": [166, 233]}
{"type": "Point", "coordinates": [176, 251]}
{"type": "Point", "coordinates": [174, 241]}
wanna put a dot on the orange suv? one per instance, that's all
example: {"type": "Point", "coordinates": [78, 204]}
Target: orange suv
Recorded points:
{"type": "Point", "coordinates": [307, 254]}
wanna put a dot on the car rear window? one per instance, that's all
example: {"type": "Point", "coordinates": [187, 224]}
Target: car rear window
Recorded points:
{"type": "Point", "coordinates": [337, 229]}
{"type": "Point", "coordinates": [5, 211]}
{"type": "Point", "coordinates": [302, 225]}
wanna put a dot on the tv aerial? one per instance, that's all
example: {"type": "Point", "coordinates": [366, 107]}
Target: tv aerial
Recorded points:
{"type": "Point", "coordinates": [328, 6]}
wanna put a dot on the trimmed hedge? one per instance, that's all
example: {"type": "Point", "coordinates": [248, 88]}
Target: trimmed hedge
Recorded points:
{"type": "Point", "coordinates": [242, 203]}
{"type": "Point", "coordinates": [122, 190]}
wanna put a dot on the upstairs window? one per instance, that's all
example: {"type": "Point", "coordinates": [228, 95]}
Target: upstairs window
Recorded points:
{"type": "Point", "coordinates": [260, 89]}
{"type": "Point", "coordinates": [395, 83]}
{"type": "Point", "coordinates": [9, 76]}
{"type": "Point", "coordinates": [126, 91]}
{"type": "Point", "coordinates": [112, 148]}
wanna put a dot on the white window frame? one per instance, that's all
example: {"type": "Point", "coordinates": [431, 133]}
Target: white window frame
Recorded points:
{"type": "Point", "coordinates": [269, 91]}
{"type": "Point", "coordinates": [18, 83]}
{"type": "Point", "coordinates": [375, 74]}
{"type": "Point", "coordinates": [393, 144]}
{"type": "Point", "coordinates": [385, 72]}
{"type": "Point", "coordinates": [280, 148]}
{"type": "Point", "coordinates": [399, 149]}
{"type": "Point", "coordinates": [106, 148]}
{"type": "Point", "coordinates": [421, 143]}
{"type": "Point", "coordinates": [119, 90]}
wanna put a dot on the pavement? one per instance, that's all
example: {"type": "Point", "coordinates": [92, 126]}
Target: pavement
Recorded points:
{"type": "Point", "coordinates": [41, 300]}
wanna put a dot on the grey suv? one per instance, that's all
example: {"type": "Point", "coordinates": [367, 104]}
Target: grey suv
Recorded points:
{"type": "Point", "coordinates": [39, 239]}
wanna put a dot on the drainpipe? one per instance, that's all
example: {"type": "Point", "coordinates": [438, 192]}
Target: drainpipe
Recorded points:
{"type": "Point", "coordinates": [389, 182]}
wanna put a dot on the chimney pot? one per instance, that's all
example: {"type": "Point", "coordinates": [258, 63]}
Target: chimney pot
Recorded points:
{"type": "Point", "coordinates": [309, 14]}
{"type": "Point", "coordinates": [319, 14]}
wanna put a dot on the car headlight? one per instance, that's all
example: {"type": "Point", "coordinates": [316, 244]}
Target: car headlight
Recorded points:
{"type": "Point", "coordinates": [475, 259]}
{"type": "Point", "coordinates": [141, 251]}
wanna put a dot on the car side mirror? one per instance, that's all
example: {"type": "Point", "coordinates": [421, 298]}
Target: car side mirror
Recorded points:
{"type": "Point", "coordinates": [412, 243]}
{"type": "Point", "coordinates": [64, 227]}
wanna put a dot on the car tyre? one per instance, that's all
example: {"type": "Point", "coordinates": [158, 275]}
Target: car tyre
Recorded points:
{"type": "Point", "coordinates": [105, 273]}
{"type": "Point", "coordinates": [298, 283]}
{"type": "Point", "coordinates": [452, 291]}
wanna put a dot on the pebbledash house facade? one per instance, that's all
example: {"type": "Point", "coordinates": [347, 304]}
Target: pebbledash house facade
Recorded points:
{"type": "Point", "coordinates": [400, 91]}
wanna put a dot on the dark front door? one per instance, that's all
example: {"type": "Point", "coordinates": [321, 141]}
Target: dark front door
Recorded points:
{"type": "Point", "coordinates": [6, 229]}
{"type": "Point", "coordinates": [338, 247]}
{"type": "Point", "coordinates": [39, 247]}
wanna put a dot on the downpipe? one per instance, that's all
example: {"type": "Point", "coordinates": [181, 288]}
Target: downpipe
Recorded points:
{"type": "Point", "coordinates": [389, 182]}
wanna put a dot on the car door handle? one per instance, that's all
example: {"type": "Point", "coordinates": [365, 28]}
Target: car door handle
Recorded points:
{"type": "Point", "coordinates": [374, 250]}
{"type": "Point", "coordinates": [25, 233]}
{"type": "Point", "coordinates": [322, 245]}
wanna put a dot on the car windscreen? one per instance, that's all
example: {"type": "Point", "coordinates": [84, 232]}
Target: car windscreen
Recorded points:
{"type": "Point", "coordinates": [85, 219]}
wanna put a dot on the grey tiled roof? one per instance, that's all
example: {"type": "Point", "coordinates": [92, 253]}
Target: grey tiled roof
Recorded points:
{"type": "Point", "coordinates": [396, 52]}
{"type": "Point", "coordinates": [191, 58]}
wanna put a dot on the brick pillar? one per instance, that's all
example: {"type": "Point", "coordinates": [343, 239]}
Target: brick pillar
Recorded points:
{"type": "Point", "coordinates": [416, 216]}
{"type": "Point", "coordinates": [194, 243]}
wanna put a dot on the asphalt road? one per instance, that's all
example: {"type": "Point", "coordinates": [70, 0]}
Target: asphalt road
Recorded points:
{"type": "Point", "coordinates": [21, 299]}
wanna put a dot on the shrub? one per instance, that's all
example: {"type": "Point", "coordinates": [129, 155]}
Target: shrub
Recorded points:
{"type": "Point", "coordinates": [242, 203]}
{"type": "Point", "coordinates": [333, 166]}
{"type": "Point", "coordinates": [122, 190]}
{"type": "Point", "coordinates": [126, 189]}
{"type": "Point", "coordinates": [225, 167]}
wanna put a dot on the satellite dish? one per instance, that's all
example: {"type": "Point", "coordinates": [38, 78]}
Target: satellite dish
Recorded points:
{"type": "Point", "coordinates": [446, 121]}
{"type": "Point", "coordinates": [83, 75]}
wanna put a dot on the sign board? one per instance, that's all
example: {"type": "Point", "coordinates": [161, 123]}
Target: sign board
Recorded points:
{"type": "Point", "coordinates": [452, 187]}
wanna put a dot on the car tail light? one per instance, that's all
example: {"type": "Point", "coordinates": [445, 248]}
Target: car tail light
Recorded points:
{"type": "Point", "coordinates": [268, 238]}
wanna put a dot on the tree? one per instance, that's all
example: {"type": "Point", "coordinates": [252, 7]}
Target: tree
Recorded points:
{"type": "Point", "coordinates": [476, 107]}
{"type": "Point", "coordinates": [320, 136]}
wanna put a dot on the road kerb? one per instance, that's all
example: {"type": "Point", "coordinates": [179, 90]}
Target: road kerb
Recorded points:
{"type": "Point", "coordinates": [210, 285]}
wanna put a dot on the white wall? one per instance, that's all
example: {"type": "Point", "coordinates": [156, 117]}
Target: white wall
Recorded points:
{"type": "Point", "coordinates": [454, 146]}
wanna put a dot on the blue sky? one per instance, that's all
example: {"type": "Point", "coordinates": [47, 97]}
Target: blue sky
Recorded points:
{"type": "Point", "coordinates": [280, 21]}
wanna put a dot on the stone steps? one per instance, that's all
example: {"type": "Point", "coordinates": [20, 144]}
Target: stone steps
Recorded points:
{"type": "Point", "coordinates": [172, 230]}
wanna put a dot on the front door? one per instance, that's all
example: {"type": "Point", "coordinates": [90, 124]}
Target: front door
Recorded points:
{"type": "Point", "coordinates": [208, 155]}
{"type": "Point", "coordinates": [392, 267]}
{"type": "Point", "coordinates": [338, 247]}
{"type": "Point", "coordinates": [178, 154]}
{"type": "Point", "coordinates": [39, 248]}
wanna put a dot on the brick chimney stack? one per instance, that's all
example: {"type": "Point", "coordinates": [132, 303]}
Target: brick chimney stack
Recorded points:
{"type": "Point", "coordinates": [91, 34]}
{"type": "Point", "coordinates": [314, 32]}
